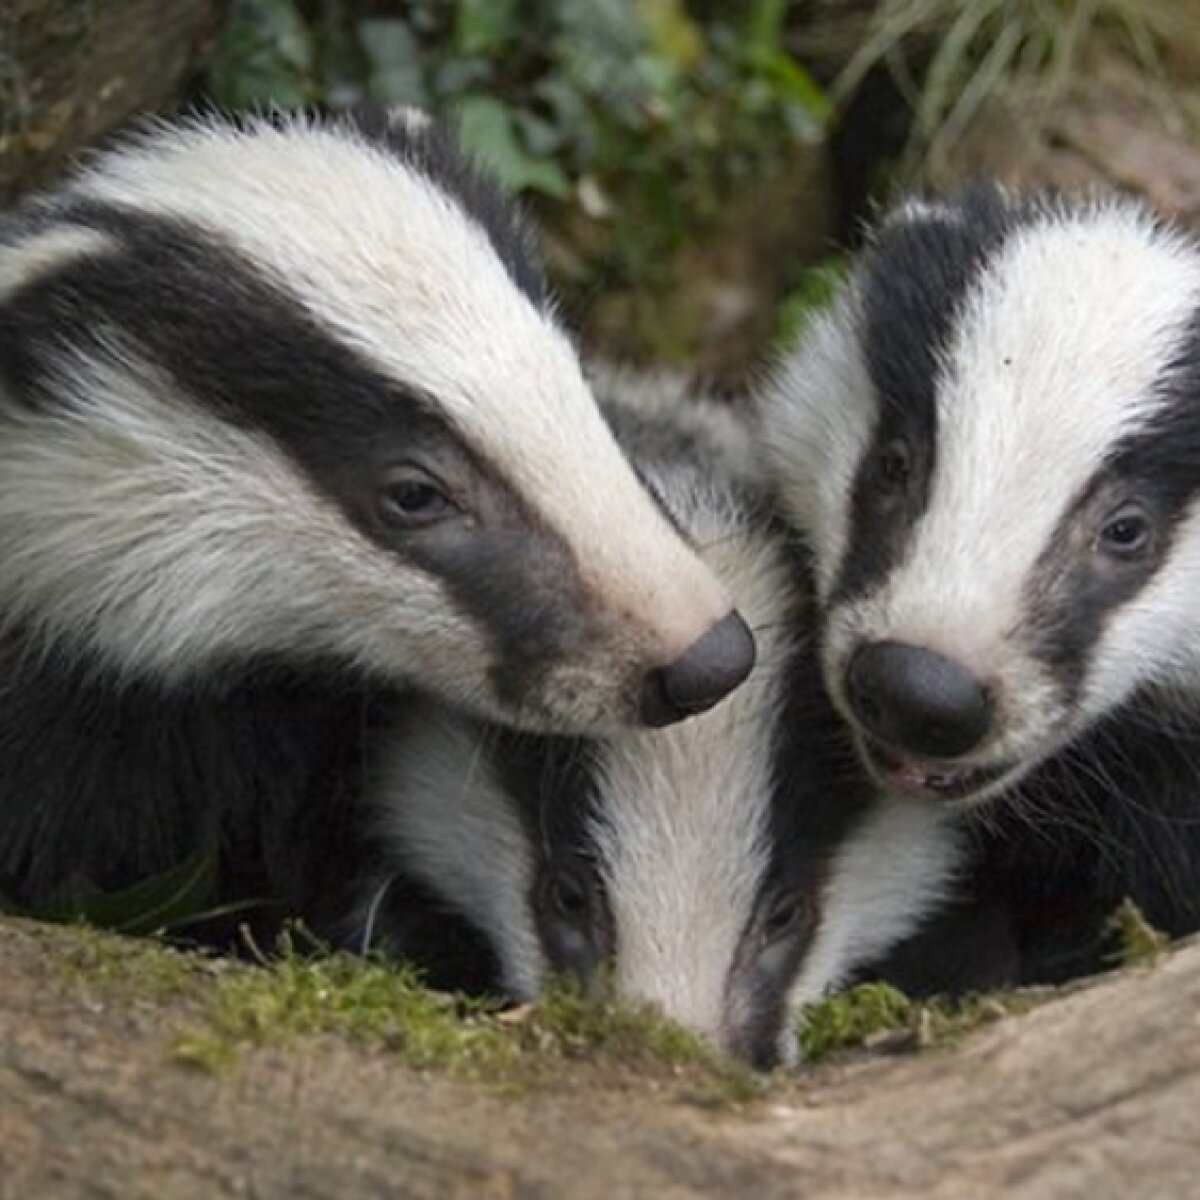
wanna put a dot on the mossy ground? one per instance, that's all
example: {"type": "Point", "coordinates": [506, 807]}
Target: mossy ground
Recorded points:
{"type": "Point", "coordinates": [232, 1007]}
{"type": "Point", "coordinates": [877, 1016]}
{"type": "Point", "coordinates": [384, 1008]}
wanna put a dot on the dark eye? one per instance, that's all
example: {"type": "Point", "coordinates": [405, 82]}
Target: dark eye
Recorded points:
{"type": "Point", "coordinates": [784, 915]}
{"type": "Point", "coordinates": [893, 466]}
{"type": "Point", "coordinates": [567, 896]}
{"type": "Point", "coordinates": [412, 498]}
{"type": "Point", "coordinates": [1128, 533]}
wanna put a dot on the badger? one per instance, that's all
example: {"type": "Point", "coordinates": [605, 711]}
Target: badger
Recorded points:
{"type": "Point", "coordinates": [288, 427]}
{"type": "Point", "coordinates": [991, 442]}
{"type": "Point", "coordinates": [727, 870]}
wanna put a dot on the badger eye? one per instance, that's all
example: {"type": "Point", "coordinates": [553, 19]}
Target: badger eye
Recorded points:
{"type": "Point", "coordinates": [1127, 533]}
{"type": "Point", "coordinates": [893, 465]}
{"type": "Point", "coordinates": [566, 895]}
{"type": "Point", "coordinates": [410, 498]}
{"type": "Point", "coordinates": [783, 917]}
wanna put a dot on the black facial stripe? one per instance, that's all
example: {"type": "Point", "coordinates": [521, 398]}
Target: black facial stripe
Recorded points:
{"type": "Point", "coordinates": [231, 337]}
{"type": "Point", "coordinates": [820, 790]}
{"type": "Point", "coordinates": [914, 284]}
{"type": "Point", "coordinates": [552, 782]}
{"type": "Point", "coordinates": [234, 341]}
{"type": "Point", "coordinates": [820, 795]}
{"type": "Point", "coordinates": [1071, 597]}
{"type": "Point", "coordinates": [525, 589]}
{"type": "Point", "coordinates": [432, 151]}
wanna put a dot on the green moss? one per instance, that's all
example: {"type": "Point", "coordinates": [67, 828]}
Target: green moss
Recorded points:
{"type": "Point", "coordinates": [131, 968]}
{"type": "Point", "coordinates": [1137, 941]}
{"type": "Point", "coordinates": [366, 1002]}
{"type": "Point", "coordinates": [386, 1008]}
{"type": "Point", "coordinates": [851, 1018]}
{"type": "Point", "coordinates": [570, 1023]}
{"type": "Point", "coordinates": [874, 1012]}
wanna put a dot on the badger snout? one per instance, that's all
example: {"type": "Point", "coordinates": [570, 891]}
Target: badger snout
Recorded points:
{"type": "Point", "coordinates": [702, 675]}
{"type": "Point", "coordinates": [917, 701]}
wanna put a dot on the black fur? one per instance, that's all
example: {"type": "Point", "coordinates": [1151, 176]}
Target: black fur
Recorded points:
{"type": "Point", "coordinates": [117, 779]}
{"type": "Point", "coordinates": [1116, 815]}
{"type": "Point", "coordinates": [419, 927]}
{"type": "Point", "coordinates": [820, 796]}
{"type": "Point", "coordinates": [432, 151]}
{"type": "Point", "coordinates": [1073, 591]}
{"type": "Point", "coordinates": [914, 282]}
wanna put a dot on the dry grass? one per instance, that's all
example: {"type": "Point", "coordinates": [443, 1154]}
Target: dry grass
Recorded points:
{"type": "Point", "coordinates": [1033, 50]}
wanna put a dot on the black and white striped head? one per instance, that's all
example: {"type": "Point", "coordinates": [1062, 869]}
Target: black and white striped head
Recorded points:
{"type": "Point", "coordinates": [727, 869]}
{"type": "Point", "coordinates": [296, 388]}
{"type": "Point", "coordinates": [993, 444]}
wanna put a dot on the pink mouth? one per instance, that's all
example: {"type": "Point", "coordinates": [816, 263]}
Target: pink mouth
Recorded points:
{"type": "Point", "coordinates": [910, 777]}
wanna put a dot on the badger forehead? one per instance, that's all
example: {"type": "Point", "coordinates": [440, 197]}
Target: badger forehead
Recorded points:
{"type": "Point", "coordinates": [1014, 312]}
{"type": "Point", "coordinates": [384, 234]}
{"type": "Point", "coordinates": [348, 191]}
{"type": "Point", "coordinates": [1023, 346]}
{"type": "Point", "coordinates": [392, 207]}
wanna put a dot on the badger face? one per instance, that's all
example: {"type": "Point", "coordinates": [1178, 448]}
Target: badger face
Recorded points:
{"type": "Point", "coordinates": [726, 870]}
{"type": "Point", "coordinates": [993, 444]}
{"type": "Point", "coordinates": [297, 390]}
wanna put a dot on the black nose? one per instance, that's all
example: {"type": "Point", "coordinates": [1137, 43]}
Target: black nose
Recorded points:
{"type": "Point", "coordinates": [917, 700]}
{"type": "Point", "coordinates": [708, 670]}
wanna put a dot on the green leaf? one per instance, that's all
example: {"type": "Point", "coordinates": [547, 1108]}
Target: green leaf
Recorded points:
{"type": "Point", "coordinates": [672, 34]}
{"type": "Point", "coordinates": [797, 82]}
{"type": "Point", "coordinates": [487, 130]}
{"type": "Point", "coordinates": [264, 57]}
{"type": "Point", "coordinates": [764, 30]}
{"type": "Point", "coordinates": [815, 292]}
{"type": "Point", "coordinates": [160, 902]}
{"type": "Point", "coordinates": [484, 26]}
{"type": "Point", "coordinates": [394, 62]}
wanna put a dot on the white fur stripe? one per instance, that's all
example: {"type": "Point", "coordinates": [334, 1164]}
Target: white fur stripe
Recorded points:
{"type": "Point", "coordinates": [35, 257]}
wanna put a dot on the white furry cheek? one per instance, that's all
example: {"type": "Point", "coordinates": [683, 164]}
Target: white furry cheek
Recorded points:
{"type": "Point", "coordinates": [1153, 641]}
{"type": "Point", "coordinates": [441, 815]}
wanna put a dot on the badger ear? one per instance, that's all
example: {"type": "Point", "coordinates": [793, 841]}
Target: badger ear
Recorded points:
{"type": "Point", "coordinates": [392, 125]}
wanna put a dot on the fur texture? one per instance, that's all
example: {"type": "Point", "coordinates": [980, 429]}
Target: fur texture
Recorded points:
{"type": "Point", "coordinates": [728, 869]}
{"type": "Point", "coordinates": [286, 425]}
{"type": "Point", "coordinates": [992, 443]}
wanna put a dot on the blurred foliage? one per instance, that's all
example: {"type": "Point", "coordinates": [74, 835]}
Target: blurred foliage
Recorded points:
{"type": "Point", "coordinates": [949, 57]}
{"type": "Point", "coordinates": [167, 903]}
{"type": "Point", "coordinates": [591, 106]}
{"type": "Point", "coordinates": [813, 292]}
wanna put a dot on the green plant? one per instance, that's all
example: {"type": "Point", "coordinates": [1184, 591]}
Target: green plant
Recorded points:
{"type": "Point", "coordinates": [593, 106]}
{"type": "Point", "coordinates": [857, 1016]}
{"type": "Point", "coordinates": [166, 903]}
{"type": "Point", "coordinates": [385, 1007]}
{"type": "Point", "coordinates": [1137, 941]}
